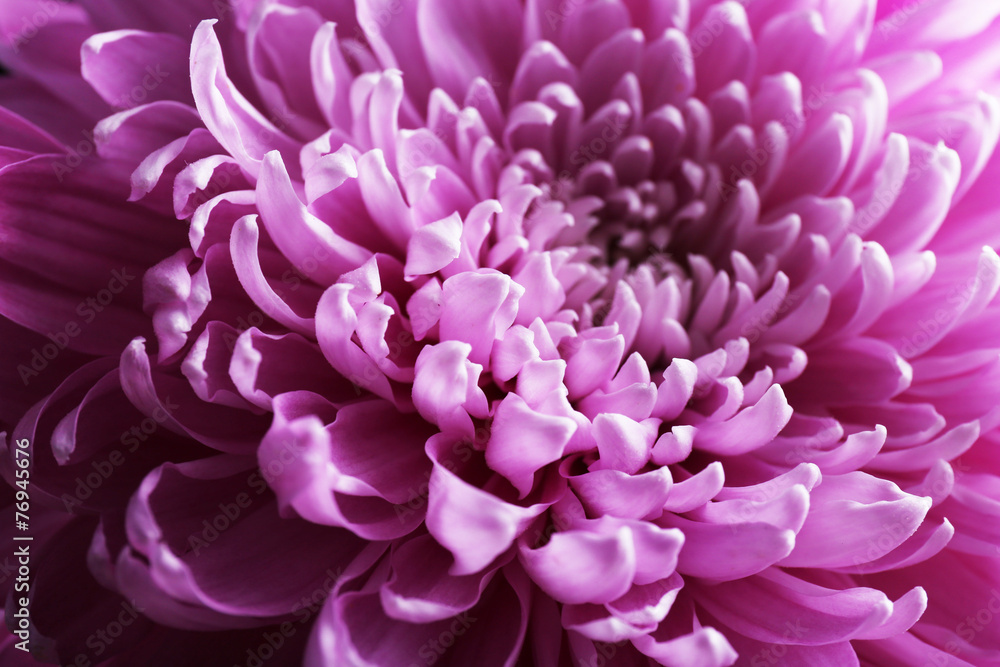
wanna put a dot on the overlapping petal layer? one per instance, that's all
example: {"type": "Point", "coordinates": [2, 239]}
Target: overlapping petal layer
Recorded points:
{"type": "Point", "coordinates": [518, 333]}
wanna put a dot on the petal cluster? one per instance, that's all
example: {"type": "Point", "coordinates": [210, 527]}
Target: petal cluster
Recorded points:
{"type": "Point", "coordinates": [623, 332]}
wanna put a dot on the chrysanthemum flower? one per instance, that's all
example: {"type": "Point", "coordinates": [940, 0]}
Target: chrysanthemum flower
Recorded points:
{"type": "Point", "coordinates": [495, 333]}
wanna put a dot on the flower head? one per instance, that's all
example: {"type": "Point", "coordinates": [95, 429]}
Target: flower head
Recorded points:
{"type": "Point", "coordinates": [594, 332]}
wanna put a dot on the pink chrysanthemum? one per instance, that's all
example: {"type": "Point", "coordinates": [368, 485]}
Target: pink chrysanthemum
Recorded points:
{"type": "Point", "coordinates": [503, 333]}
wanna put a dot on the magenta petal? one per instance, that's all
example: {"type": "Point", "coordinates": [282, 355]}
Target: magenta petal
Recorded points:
{"type": "Point", "coordinates": [875, 508]}
{"type": "Point", "coordinates": [477, 308]}
{"type": "Point", "coordinates": [752, 428]}
{"type": "Point", "coordinates": [180, 18]}
{"type": "Point", "coordinates": [619, 494]}
{"type": "Point", "coordinates": [480, 51]}
{"type": "Point", "coordinates": [923, 201]}
{"type": "Point", "coordinates": [696, 490]}
{"type": "Point", "coordinates": [361, 490]}
{"type": "Point", "coordinates": [727, 553]}
{"type": "Point", "coordinates": [888, 374]}
{"type": "Point", "coordinates": [622, 443]}
{"type": "Point", "coordinates": [354, 630]}
{"type": "Point", "coordinates": [332, 76]}
{"type": "Point", "coordinates": [838, 653]}
{"type": "Point", "coordinates": [173, 404]}
{"type": "Point", "coordinates": [675, 390]}
{"type": "Point", "coordinates": [261, 364]}
{"type": "Point", "coordinates": [563, 567]}
{"type": "Point", "coordinates": [621, 332]}
{"type": "Point", "coordinates": [186, 557]}
{"type": "Point", "coordinates": [523, 440]}
{"type": "Point", "coordinates": [766, 601]}
{"type": "Point", "coordinates": [707, 646]}
{"type": "Point", "coordinates": [541, 65]}
{"type": "Point", "coordinates": [313, 247]}
{"type": "Point", "coordinates": [434, 246]}
{"type": "Point", "coordinates": [244, 247]}
{"type": "Point", "coordinates": [475, 526]}
{"type": "Point", "coordinates": [393, 43]}
{"type": "Point", "coordinates": [117, 64]}
{"type": "Point", "coordinates": [244, 131]}
{"type": "Point", "coordinates": [279, 41]}
{"type": "Point", "coordinates": [336, 323]}
{"type": "Point", "coordinates": [420, 589]}
{"type": "Point", "coordinates": [445, 387]}
{"type": "Point", "coordinates": [207, 366]}
{"type": "Point", "coordinates": [730, 55]}
{"type": "Point", "coordinates": [593, 364]}
{"type": "Point", "coordinates": [392, 464]}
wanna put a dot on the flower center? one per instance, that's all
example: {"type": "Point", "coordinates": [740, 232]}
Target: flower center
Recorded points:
{"type": "Point", "coordinates": [631, 209]}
